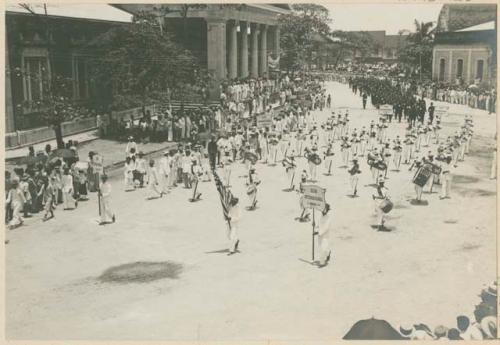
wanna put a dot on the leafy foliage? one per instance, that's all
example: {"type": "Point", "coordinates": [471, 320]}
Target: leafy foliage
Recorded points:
{"type": "Point", "coordinates": [298, 29]}
{"type": "Point", "coordinates": [137, 59]}
{"type": "Point", "coordinates": [417, 54]}
{"type": "Point", "coordinates": [352, 42]}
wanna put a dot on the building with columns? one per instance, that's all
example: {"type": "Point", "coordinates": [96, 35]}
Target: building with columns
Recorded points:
{"type": "Point", "coordinates": [231, 40]}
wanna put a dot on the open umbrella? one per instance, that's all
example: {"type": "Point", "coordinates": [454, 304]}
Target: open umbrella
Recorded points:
{"type": "Point", "coordinates": [64, 153]}
{"type": "Point", "coordinates": [33, 160]}
{"type": "Point", "coordinates": [373, 329]}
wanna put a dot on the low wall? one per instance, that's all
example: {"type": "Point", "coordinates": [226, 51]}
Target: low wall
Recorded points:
{"type": "Point", "coordinates": [134, 112]}
{"type": "Point", "coordinates": [37, 135]}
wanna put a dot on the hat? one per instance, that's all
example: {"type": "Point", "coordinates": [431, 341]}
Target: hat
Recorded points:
{"type": "Point", "coordinates": [165, 153]}
{"type": "Point", "coordinates": [130, 138]}
{"type": "Point", "coordinates": [141, 153]}
{"type": "Point", "coordinates": [406, 330]}
{"type": "Point", "coordinates": [440, 331]}
{"type": "Point", "coordinates": [489, 326]}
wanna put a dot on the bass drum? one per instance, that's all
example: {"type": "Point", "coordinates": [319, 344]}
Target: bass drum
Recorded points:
{"type": "Point", "coordinates": [422, 176]}
{"type": "Point", "coordinates": [386, 205]}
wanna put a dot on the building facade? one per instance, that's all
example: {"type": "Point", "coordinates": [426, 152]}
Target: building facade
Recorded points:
{"type": "Point", "coordinates": [465, 44]}
{"type": "Point", "coordinates": [29, 64]}
{"type": "Point", "coordinates": [233, 40]}
{"type": "Point", "coordinates": [464, 57]}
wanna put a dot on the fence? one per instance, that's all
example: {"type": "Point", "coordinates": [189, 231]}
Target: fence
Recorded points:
{"type": "Point", "coordinates": [37, 135]}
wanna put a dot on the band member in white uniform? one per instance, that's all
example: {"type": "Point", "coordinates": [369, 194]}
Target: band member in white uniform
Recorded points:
{"type": "Point", "coordinates": [417, 164]}
{"type": "Point", "coordinates": [323, 233]}
{"type": "Point", "coordinates": [344, 150]}
{"type": "Point", "coordinates": [234, 216]}
{"type": "Point", "coordinates": [196, 174]}
{"type": "Point", "coordinates": [304, 212]}
{"type": "Point", "coordinates": [252, 183]}
{"type": "Point", "coordinates": [397, 149]}
{"type": "Point", "coordinates": [446, 178]}
{"type": "Point", "coordinates": [226, 166]}
{"type": "Point", "coordinates": [313, 167]}
{"type": "Point", "coordinates": [353, 176]}
{"type": "Point", "coordinates": [380, 197]}
{"type": "Point", "coordinates": [289, 164]}
{"type": "Point", "coordinates": [328, 158]}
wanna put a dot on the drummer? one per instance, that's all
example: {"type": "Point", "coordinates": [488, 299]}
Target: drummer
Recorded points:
{"type": "Point", "coordinates": [373, 159]}
{"type": "Point", "coordinates": [344, 150]}
{"type": "Point", "coordinates": [417, 164]}
{"type": "Point", "coordinates": [397, 149]}
{"type": "Point", "coordinates": [380, 200]}
{"type": "Point", "coordinates": [313, 167]}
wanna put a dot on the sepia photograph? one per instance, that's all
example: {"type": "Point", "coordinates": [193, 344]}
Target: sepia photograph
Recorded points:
{"type": "Point", "coordinates": [289, 172]}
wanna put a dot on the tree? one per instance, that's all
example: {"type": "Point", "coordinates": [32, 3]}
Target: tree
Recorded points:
{"type": "Point", "coordinates": [351, 42]}
{"type": "Point", "coordinates": [298, 29]}
{"type": "Point", "coordinates": [417, 54]}
{"type": "Point", "coordinates": [139, 59]}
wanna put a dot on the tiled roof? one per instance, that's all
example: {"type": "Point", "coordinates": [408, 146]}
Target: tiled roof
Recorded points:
{"type": "Point", "coordinates": [82, 11]}
{"type": "Point", "coordinates": [454, 17]}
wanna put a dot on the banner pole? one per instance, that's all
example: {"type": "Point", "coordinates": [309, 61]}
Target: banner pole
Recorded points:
{"type": "Point", "coordinates": [313, 225]}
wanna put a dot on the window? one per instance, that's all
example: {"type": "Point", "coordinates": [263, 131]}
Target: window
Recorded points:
{"type": "Point", "coordinates": [35, 77]}
{"type": "Point", "coordinates": [479, 70]}
{"type": "Point", "coordinates": [460, 68]}
{"type": "Point", "coordinates": [80, 78]}
{"type": "Point", "coordinates": [442, 66]}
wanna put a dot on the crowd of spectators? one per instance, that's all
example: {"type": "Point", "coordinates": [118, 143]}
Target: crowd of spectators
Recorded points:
{"type": "Point", "coordinates": [483, 325]}
{"type": "Point", "coordinates": [46, 179]}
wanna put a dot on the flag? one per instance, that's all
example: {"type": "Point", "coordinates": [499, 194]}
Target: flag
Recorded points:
{"type": "Point", "coordinates": [225, 196]}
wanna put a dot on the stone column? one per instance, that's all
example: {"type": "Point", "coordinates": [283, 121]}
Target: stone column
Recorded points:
{"type": "Point", "coordinates": [216, 53]}
{"type": "Point", "coordinates": [244, 50]}
{"type": "Point", "coordinates": [263, 51]}
{"type": "Point", "coordinates": [277, 41]}
{"type": "Point", "coordinates": [450, 76]}
{"type": "Point", "coordinates": [254, 70]}
{"type": "Point", "coordinates": [469, 62]}
{"type": "Point", "coordinates": [233, 51]}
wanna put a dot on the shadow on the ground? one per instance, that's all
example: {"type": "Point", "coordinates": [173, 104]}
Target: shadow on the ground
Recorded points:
{"type": "Point", "coordinates": [464, 179]}
{"type": "Point", "coordinates": [141, 272]}
{"type": "Point", "coordinates": [220, 251]}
